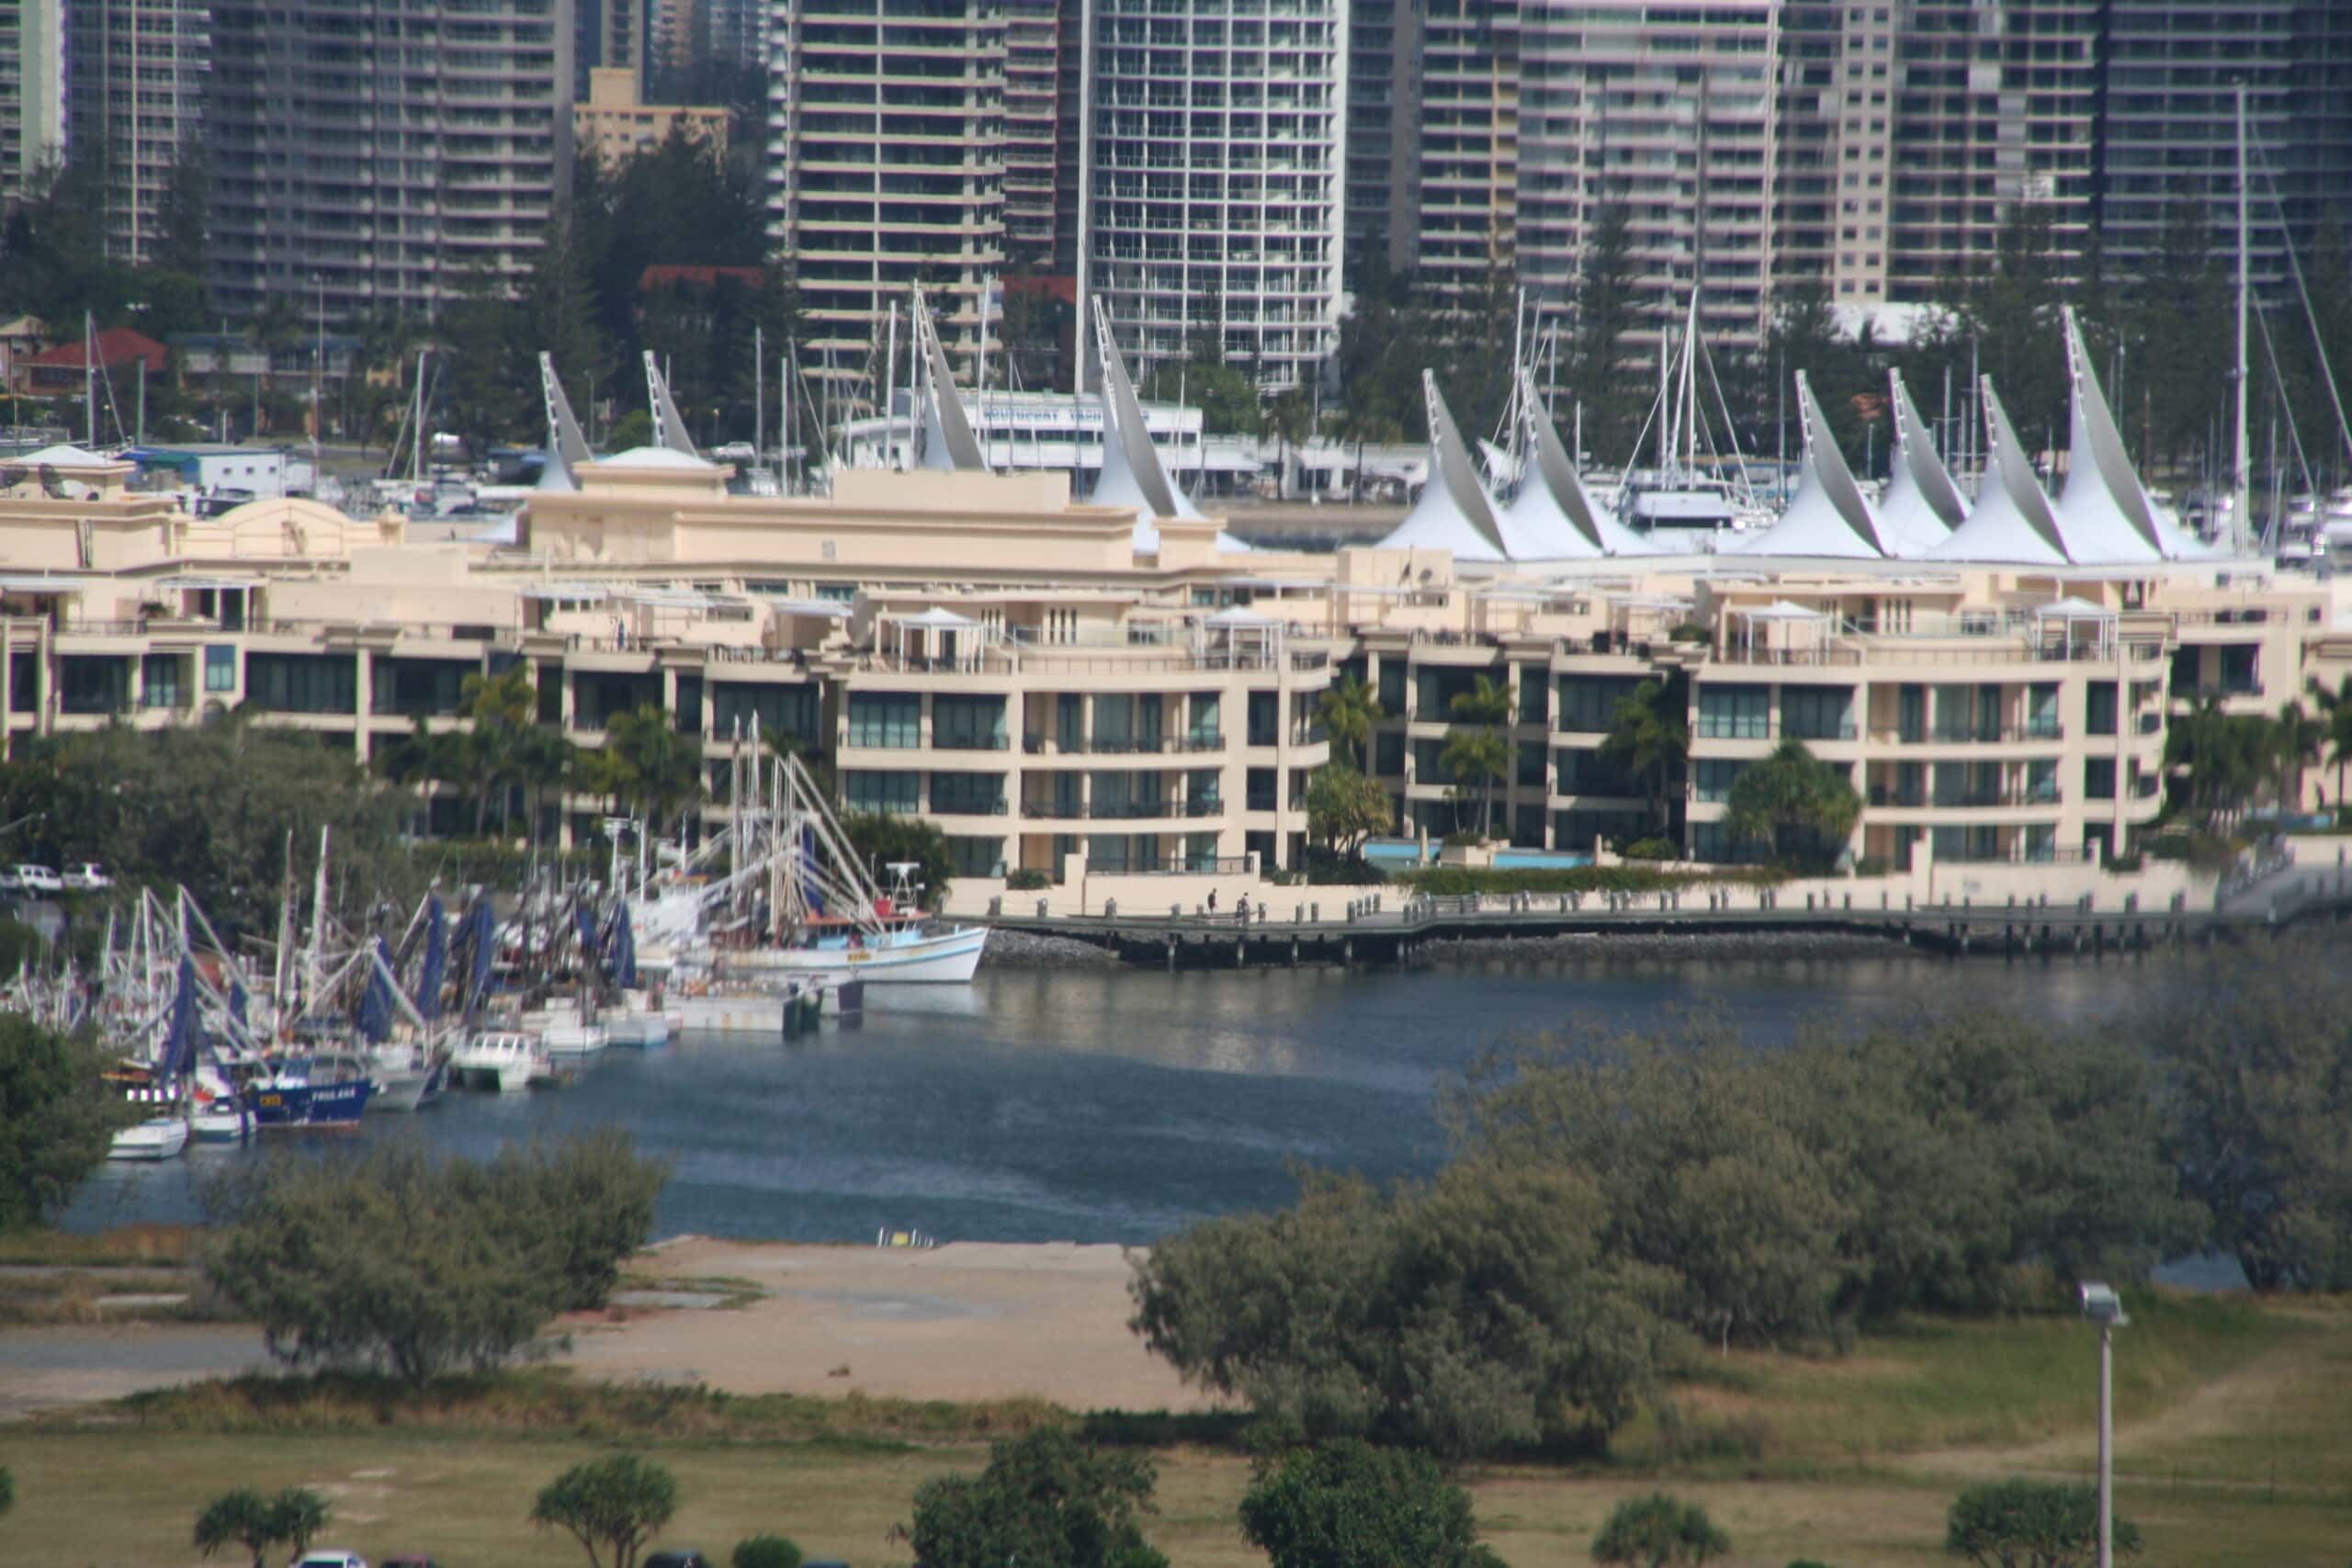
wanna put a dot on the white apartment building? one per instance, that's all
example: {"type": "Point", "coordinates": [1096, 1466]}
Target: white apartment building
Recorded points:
{"type": "Point", "coordinates": [32, 109]}
{"type": "Point", "coordinates": [886, 161]}
{"type": "Point", "coordinates": [1215, 185]}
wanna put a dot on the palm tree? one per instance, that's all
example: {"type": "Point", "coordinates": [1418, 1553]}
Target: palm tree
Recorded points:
{"type": "Point", "coordinates": [1478, 757]}
{"type": "Point", "coordinates": [1791, 791]}
{"type": "Point", "coordinates": [781, 743]}
{"type": "Point", "coordinates": [426, 756]}
{"type": "Point", "coordinates": [662, 769]}
{"type": "Point", "coordinates": [1481, 756]}
{"type": "Point", "coordinates": [1349, 710]}
{"type": "Point", "coordinates": [2295, 742]}
{"type": "Point", "coordinates": [2221, 756]}
{"type": "Point", "coordinates": [1649, 738]}
{"type": "Point", "coordinates": [2336, 710]}
{"type": "Point", "coordinates": [499, 707]}
{"type": "Point", "coordinates": [540, 759]}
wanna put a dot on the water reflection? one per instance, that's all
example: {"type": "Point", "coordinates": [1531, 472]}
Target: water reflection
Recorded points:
{"type": "Point", "coordinates": [1113, 1105]}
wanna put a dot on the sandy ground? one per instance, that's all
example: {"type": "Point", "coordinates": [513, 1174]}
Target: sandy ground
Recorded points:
{"type": "Point", "coordinates": [972, 1320]}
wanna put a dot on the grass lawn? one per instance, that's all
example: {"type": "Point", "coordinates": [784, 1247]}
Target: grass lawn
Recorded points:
{"type": "Point", "coordinates": [1851, 1461]}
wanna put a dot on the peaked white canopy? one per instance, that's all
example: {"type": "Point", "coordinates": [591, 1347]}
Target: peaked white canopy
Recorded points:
{"type": "Point", "coordinates": [948, 444]}
{"type": "Point", "coordinates": [567, 446]}
{"type": "Point", "coordinates": [669, 425]}
{"type": "Point", "coordinates": [2102, 510]}
{"type": "Point", "coordinates": [1921, 506]}
{"type": "Point", "coordinates": [1553, 517]}
{"type": "Point", "coordinates": [936, 618]}
{"type": "Point", "coordinates": [1239, 616]}
{"type": "Point", "coordinates": [2013, 521]}
{"type": "Point", "coordinates": [1133, 475]}
{"type": "Point", "coordinates": [1454, 512]}
{"type": "Point", "coordinates": [64, 455]}
{"type": "Point", "coordinates": [1827, 516]}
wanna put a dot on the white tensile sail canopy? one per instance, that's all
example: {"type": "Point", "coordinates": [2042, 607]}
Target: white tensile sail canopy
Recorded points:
{"type": "Point", "coordinates": [1454, 512]}
{"type": "Point", "coordinates": [1922, 505]}
{"type": "Point", "coordinates": [2013, 521]}
{"type": "Point", "coordinates": [1133, 476]}
{"type": "Point", "coordinates": [1828, 516]}
{"type": "Point", "coordinates": [567, 447]}
{"type": "Point", "coordinates": [669, 425]}
{"type": "Point", "coordinates": [948, 444]}
{"type": "Point", "coordinates": [2106, 512]}
{"type": "Point", "coordinates": [1553, 517]}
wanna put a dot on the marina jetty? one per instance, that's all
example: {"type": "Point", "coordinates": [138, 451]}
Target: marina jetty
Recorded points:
{"type": "Point", "coordinates": [2291, 885]}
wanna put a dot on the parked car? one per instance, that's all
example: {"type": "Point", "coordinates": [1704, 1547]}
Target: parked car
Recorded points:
{"type": "Point", "coordinates": [332, 1556]}
{"type": "Point", "coordinates": [683, 1557]}
{"type": "Point", "coordinates": [87, 877]}
{"type": "Point", "coordinates": [409, 1560]}
{"type": "Point", "coordinates": [33, 879]}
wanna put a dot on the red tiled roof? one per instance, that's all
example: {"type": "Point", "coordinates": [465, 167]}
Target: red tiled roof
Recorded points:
{"type": "Point", "coordinates": [116, 345]}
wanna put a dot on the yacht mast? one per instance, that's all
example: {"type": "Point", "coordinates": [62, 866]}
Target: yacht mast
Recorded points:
{"type": "Point", "coordinates": [2242, 482]}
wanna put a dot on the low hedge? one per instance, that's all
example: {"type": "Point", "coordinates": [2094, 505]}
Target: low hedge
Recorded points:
{"type": "Point", "coordinates": [1453, 881]}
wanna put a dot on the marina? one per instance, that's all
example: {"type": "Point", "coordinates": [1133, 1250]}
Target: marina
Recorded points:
{"type": "Point", "coordinates": [1114, 1105]}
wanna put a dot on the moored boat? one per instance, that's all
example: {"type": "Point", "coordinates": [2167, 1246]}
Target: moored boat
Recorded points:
{"type": "Point", "coordinates": [505, 1060]}
{"type": "Point", "coordinates": [157, 1138]}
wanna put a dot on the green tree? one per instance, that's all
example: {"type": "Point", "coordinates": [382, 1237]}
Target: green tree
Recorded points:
{"type": "Point", "coordinates": [2295, 744]}
{"type": "Point", "coordinates": [56, 1119]}
{"type": "Point", "coordinates": [612, 1506]}
{"type": "Point", "coordinates": [1479, 758]}
{"type": "Point", "coordinates": [1349, 709]}
{"type": "Point", "coordinates": [660, 769]}
{"type": "Point", "coordinates": [1607, 308]}
{"type": "Point", "coordinates": [297, 1514]}
{"type": "Point", "coordinates": [498, 707]}
{"type": "Point", "coordinates": [1045, 1497]}
{"type": "Point", "coordinates": [1649, 737]}
{"type": "Point", "coordinates": [2220, 759]}
{"type": "Point", "coordinates": [2335, 715]}
{"type": "Point", "coordinates": [1478, 1312]}
{"type": "Point", "coordinates": [1348, 1505]}
{"type": "Point", "coordinates": [1803, 808]}
{"type": "Point", "coordinates": [1344, 808]}
{"type": "Point", "coordinates": [2031, 1524]}
{"type": "Point", "coordinates": [765, 1551]}
{"type": "Point", "coordinates": [1657, 1531]}
{"type": "Point", "coordinates": [396, 1260]}
{"type": "Point", "coordinates": [242, 1517]}
{"type": "Point", "coordinates": [880, 839]}
{"type": "Point", "coordinates": [2256, 1054]}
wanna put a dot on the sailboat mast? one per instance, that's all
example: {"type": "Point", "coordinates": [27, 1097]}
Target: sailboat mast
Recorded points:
{"type": "Point", "coordinates": [416, 434]}
{"type": "Point", "coordinates": [891, 393]}
{"type": "Point", "coordinates": [89, 383]}
{"type": "Point", "coordinates": [2242, 482]}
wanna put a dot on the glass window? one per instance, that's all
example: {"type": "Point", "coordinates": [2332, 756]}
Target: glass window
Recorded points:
{"type": "Point", "coordinates": [1817, 713]}
{"type": "Point", "coordinates": [1588, 703]}
{"type": "Point", "coordinates": [2098, 778]}
{"type": "Point", "coordinates": [967, 795]}
{"type": "Point", "coordinates": [2099, 707]}
{"type": "Point", "coordinates": [159, 681]}
{"type": "Point", "coordinates": [885, 718]}
{"type": "Point", "coordinates": [1388, 755]}
{"type": "Point", "coordinates": [979, 858]}
{"type": "Point", "coordinates": [1735, 713]}
{"type": "Point", "coordinates": [967, 724]}
{"type": "Point", "coordinates": [1392, 686]}
{"type": "Point", "coordinates": [1530, 761]}
{"type": "Point", "coordinates": [792, 710]}
{"type": "Point", "coordinates": [1712, 777]}
{"type": "Point", "coordinates": [219, 668]}
{"type": "Point", "coordinates": [1207, 727]}
{"type": "Point", "coordinates": [301, 682]}
{"type": "Point", "coordinates": [891, 792]}
{"type": "Point", "coordinates": [2041, 711]}
{"type": "Point", "coordinates": [1535, 696]}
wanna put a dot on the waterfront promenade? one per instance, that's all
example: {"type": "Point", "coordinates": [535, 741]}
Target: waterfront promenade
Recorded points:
{"type": "Point", "coordinates": [1347, 926]}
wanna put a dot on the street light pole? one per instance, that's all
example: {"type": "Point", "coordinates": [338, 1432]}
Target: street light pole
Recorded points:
{"type": "Point", "coordinates": [2101, 1305]}
{"type": "Point", "coordinates": [2106, 1445]}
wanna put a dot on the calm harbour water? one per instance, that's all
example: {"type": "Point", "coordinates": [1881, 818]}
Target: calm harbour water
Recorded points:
{"type": "Point", "coordinates": [1111, 1106]}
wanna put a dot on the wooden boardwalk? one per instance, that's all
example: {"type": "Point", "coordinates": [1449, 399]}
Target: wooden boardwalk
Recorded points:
{"type": "Point", "coordinates": [1353, 927]}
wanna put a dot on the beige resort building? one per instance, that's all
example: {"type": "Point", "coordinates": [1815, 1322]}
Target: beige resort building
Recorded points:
{"type": "Point", "coordinates": [978, 649]}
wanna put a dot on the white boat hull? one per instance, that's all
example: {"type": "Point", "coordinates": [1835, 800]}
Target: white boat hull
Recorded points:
{"type": "Point", "coordinates": [160, 1139]}
{"type": "Point", "coordinates": [403, 1088]}
{"type": "Point", "coordinates": [951, 958]}
{"type": "Point", "coordinates": [575, 1042]}
{"type": "Point", "coordinates": [643, 1030]}
{"type": "Point", "coordinates": [231, 1126]}
{"type": "Point", "coordinates": [730, 1012]}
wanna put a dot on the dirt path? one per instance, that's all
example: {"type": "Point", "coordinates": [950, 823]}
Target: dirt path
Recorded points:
{"type": "Point", "coordinates": [2236, 1401]}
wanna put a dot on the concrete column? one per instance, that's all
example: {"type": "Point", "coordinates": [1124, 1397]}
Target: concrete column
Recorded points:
{"type": "Point", "coordinates": [363, 701]}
